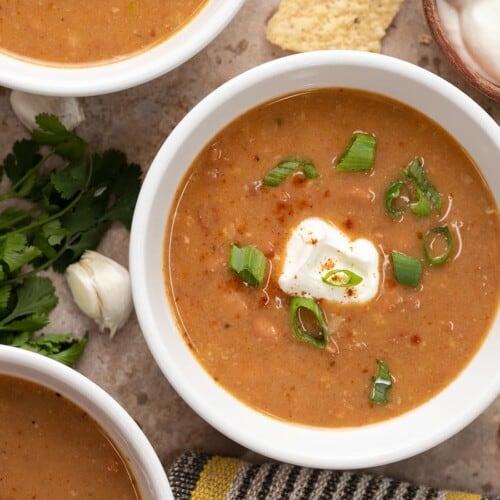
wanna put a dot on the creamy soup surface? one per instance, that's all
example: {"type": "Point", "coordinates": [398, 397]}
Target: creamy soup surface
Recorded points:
{"type": "Point", "coordinates": [53, 449]}
{"type": "Point", "coordinates": [89, 31]}
{"type": "Point", "coordinates": [243, 336]}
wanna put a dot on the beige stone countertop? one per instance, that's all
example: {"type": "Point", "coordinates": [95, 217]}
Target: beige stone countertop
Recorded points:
{"type": "Point", "coordinates": [138, 121]}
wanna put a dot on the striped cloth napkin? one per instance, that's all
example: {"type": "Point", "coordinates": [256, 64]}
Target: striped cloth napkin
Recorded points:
{"type": "Point", "coordinates": [200, 476]}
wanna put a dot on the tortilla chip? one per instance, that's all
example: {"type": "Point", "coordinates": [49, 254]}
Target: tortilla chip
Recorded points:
{"type": "Point", "coordinates": [304, 25]}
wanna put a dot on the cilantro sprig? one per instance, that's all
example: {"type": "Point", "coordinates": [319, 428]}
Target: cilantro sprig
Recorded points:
{"type": "Point", "coordinates": [71, 196]}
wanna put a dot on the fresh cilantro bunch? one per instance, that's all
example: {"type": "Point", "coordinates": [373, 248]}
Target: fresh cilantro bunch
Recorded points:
{"type": "Point", "coordinates": [70, 198]}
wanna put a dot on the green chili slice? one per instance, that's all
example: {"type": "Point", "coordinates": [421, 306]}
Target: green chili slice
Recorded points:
{"type": "Point", "coordinates": [381, 384]}
{"type": "Point", "coordinates": [359, 154]}
{"type": "Point", "coordinates": [249, 264]}
{"type": "Point", "coordinates": [341, 278]}
{"type": "Point", "coordinates": [429, 240]}
{"type": "Point", "coordinates": [392, 194]}
{"type": "Point", "coordinates": [318, 339]}
{"type": "Point", "coordinates": [407, 270]}
{"type": "Point", "coordinates": [278, 174]}
{"type": "Point", "coordinates": [415, 172]}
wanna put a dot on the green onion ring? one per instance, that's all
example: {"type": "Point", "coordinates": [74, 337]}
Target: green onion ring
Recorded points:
{"type": "Point", "coordinates": [407, 270]}
{"type": "Point", "coordinates": [359, 154]}
{"type": "Point", "coordinates": [381, 384]}
{"type": "Point", "coordinates": [353, 279]}
{"type": "Point", "coordinates": [415, 172]}
{"type": "Point", "coordinates": [279, 173]}
{"type": "Point", "coordinates": [421, 207]}
{"type": "Point", "coordinates": [444, 232]}
{"type": "Point", "coordinates": [296, 303]}
{"type": "Point", "coordinates": [391, 195]}
{"type": "Point", "coordinates": [249, 264]}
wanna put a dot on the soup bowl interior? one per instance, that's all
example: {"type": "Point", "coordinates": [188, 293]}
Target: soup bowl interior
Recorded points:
{"type": "Point", "coordinates": [133, 445]}
{"type": "Point", "coordinates": [106, 77]}
{"type": "Point", "coordinates": [375, 444]}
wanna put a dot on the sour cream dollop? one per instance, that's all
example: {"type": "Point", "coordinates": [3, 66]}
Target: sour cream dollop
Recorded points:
{"type": "Point", "coordinates": [473, 26]}
{"type": "Point", "coordinates": [316, 247]}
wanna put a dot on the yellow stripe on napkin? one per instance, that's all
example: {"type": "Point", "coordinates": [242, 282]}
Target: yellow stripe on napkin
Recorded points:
{"type": "Point", "coordinates": [216, 478]}
{"type": "Point", "coordinates": [459, 495]}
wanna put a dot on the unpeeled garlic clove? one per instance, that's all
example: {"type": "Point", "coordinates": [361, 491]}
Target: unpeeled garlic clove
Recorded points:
{"type": "Point", "coordinates": [27, 106]}
{"type": "Point", "coordinates": [101, 289]}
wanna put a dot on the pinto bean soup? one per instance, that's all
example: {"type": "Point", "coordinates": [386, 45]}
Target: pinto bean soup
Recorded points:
{"type": "Point", "coordinates": [90, 31]}
{"type": "Point", "coordinates": [53, 449]}
{"type": "Point", "coordinates": [435, 229]}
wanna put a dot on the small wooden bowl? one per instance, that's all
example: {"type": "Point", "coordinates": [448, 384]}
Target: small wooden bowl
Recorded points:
{"type": "Point", "coordinates": [472, 77]}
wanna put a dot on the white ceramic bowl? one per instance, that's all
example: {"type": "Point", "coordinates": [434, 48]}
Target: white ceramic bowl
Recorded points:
{"type": "Point", "coordinates": [112, 77]}
{"type": "Point", "coordinates": [115, 421]}
{"type": "Point", "coordinates": [413, 432]}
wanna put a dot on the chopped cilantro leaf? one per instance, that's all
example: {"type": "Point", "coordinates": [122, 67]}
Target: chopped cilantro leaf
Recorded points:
{"type": "Point", "coordinates": [52, 132]}
{"type": "Point", "coordinates": [5, 295]}
{"type": "Point", "coordinates": [35, 295]}
{"type": "Point", "coordinates": [69, 181]}
{"type": "Point", "coordinates": [30, 323]}
{"type": "Point", "coordinates": [25, 155]}
{"type": "Point", "coordinates": [11, 217]}
{"type": "Point", "coordinates": [15, 251]}
{"type": "Point", "coordinates": [61, 347]}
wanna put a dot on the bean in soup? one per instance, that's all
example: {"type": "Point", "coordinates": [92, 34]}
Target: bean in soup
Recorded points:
{"type": "Point", "coordinates": [332, 258]}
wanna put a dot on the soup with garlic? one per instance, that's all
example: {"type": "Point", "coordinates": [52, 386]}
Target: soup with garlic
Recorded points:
{"type": "Point", "coordinates": [53, 449]}
{"type": "Point", "coordinates": [76, 32]}
{"type": "Point", "coordinates": [333, 258]}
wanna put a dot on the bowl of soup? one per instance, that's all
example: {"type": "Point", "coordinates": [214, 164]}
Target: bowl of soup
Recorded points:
{"type": "Point", "coordinates": [89, 48]}
{"type": "Point", "coordinates": [73, 438]}
{"type": "Point", "coordinates": [314, 259]}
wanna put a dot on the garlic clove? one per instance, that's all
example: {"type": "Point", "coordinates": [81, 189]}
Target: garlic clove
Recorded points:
{"type": "Point", "coordinates": [101, 289]}
{"type": "Point", "coordinates": [82, 288]}
{"type": "Point", "coordinates": [27, 106]}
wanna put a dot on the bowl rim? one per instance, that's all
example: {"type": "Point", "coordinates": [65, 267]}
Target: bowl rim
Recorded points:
{"type": "Point", "coordinates": [93, 399]}
{"type": "Point", "coordinates": [114, 76]}
{"type": "Point", "coordinates": [209, 406]}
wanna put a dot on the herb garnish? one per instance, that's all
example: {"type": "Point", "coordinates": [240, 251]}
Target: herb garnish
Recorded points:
{"type": "Point", "coordinates": [431, 237]}
{"type": "Point", "coordinates": [249, 263]}
{"type": "Point", "coordinates": [415, 172]}
{"type": "Point", "coordinates": [317, 338]}
{"type": "Point", "coordinates": [381, 384]}
{"type": "Point", "coordinates": [74, 195]}
{"type": "Point", "coordinates": [285, 168]}
{"type": "Point", "coordinates": [342, 278]}
{"type": "Point", "coordinates": [420, 196]}
{"type": "Point", "coordinates": [407, 270]}
{"type": "Point", "coordinates": [359, 155]}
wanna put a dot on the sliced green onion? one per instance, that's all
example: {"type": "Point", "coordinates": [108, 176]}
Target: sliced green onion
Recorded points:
{"type": "Point", "coordinates": [422, 207]}
{"type": "Point", "coordinates": [359, 154]}
{"type": "Point", "coordinates": [430, 238]}
{"type": "Point", "coordinates": [317, 339]}
{"type": "Point", "coordinates": [341, 278]}
{"type": "Point", "coordinates": [381, 384]}
{"type": "Point", "coordinates": [285, 168]}
{"type": "Point", "coordinates": [407, 270]}
{"type": "Point", "coordinates": [280, 172]}
{"type": "Point", "coordinates": [249, 264]}
{"type": "Point", "coordinates": [415, 172]}
{"type": "Point", "coordinates": [309, 170]}
{"type": "Point", "coordinates": [391, 195]}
